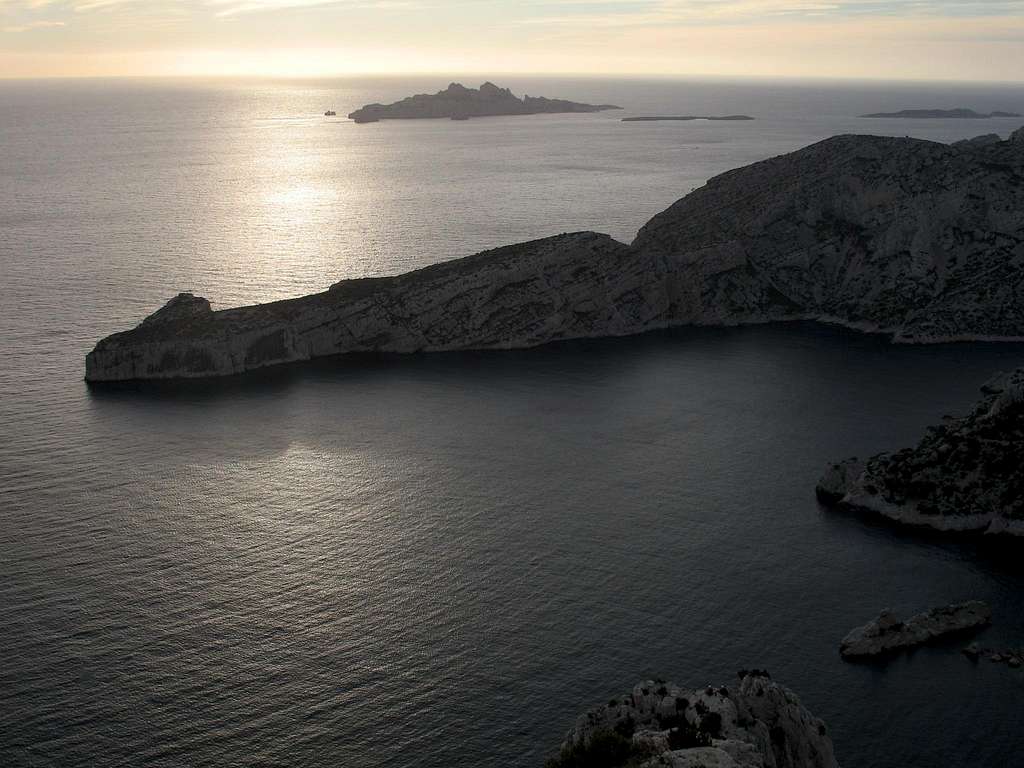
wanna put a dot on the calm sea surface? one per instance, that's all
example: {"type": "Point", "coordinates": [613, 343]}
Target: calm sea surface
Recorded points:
{"type": "Point", "coordinates": [439, 561]}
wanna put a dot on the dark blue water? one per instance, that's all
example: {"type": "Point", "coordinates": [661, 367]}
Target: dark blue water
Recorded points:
{"type": "Point", "coordinates": [436, 561]}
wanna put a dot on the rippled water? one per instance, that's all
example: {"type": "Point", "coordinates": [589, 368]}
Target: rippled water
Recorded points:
{"type": "Point", "coordinates": [439, 561]}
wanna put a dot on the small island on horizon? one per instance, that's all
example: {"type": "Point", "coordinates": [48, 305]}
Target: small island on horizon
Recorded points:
{"type": "Point", "coordinates": [684, 118]}
{"type": "Point", "coordinates": [961, 113]}
{"type": "Point", "coordinates": [457, 102]}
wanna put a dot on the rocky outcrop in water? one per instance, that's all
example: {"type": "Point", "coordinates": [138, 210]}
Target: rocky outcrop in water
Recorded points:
{"type": "Point", "coordinates": [920, 240]}
{"type": "Point", "coordinates": [461, 103]}
{"type": "Point", "coordinates": [887, 633]}
{"type": "Point", "coordinates": [756, 724]}
{"type": "Point", "coordinates": [966, 474]}
{"type": "Point", "coordinates": [1011, 657]}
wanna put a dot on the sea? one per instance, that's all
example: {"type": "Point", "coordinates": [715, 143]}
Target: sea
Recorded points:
{"type": "Point", "coordinates": [441, 560]}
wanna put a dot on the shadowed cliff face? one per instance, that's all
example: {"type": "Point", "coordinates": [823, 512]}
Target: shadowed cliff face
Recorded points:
{"type": "Point", "coordinates": [918, 239]}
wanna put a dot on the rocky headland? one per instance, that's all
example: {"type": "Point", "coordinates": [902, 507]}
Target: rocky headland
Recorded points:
{"type": "Point", "coordinates": [887, 633]}
{"type": "Point", "coordinates": [916, 239]}
{"type": "Point", "coordinates": [755, 724]}
{"type": "Point", "coordinates": [685, 118]}
{"type": "Point", "coordinates": [966, 474]}
{"type": "Point", "coordinates": [458, 102]}
{"type": "Point", "coordinates": [963, 114]}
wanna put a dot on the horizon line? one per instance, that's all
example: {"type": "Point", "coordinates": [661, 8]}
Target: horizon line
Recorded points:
{"type": "Point", "coordinates": [443, 74]}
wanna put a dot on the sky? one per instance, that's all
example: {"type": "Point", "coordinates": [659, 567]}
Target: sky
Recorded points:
{"type": "Point", "coordinates": [980, 40]}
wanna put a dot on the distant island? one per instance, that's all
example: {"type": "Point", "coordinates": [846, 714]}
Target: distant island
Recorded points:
{"type": "Point", "coordinates": [965, 114]}
{"type": "Point", "coordinates": [457, 102]}
{"type": "Point", "coordinates": [685, 118]}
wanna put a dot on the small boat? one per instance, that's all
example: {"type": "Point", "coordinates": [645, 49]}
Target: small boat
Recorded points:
{"type": "Point", "coordinates": [330, 113]}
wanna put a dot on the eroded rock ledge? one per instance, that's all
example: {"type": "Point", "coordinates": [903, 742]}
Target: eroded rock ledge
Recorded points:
{"type": "Point", "coordinates": [966, 474]}
{"type": "Point", "coordinates": [920, 240]}
{"type": "Point", "coordinates": [887, 633]}
{"type": "Point", "coordinates": [755, 724]}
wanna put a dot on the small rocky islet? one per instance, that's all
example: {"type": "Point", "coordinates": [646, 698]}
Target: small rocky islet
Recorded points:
{"type": "Point", "coordinates": [1011, 657]}
{"type": "Point", "coordinates": [916, 239]}
{"type": "Point", "coordinates": [965, 475]}
{"type": "Point", "coordinates": [687, 118]}
{"type": "Point", "coordinates": [888, 633]}
{"type": "Point", "coordinates": [457, 102]}
{"type": "Point", "coordinates": [756, 723]}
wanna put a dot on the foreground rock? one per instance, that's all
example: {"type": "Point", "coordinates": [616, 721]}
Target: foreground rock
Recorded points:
{"type": "Point", "coordinates": [757, 724]}
{"type": "Point", "coordinates": [964, 114]}
{"type": "Point", "coordinates": [920, 240]}
{"type": "Point", "coordinates": [461, 103]}
{"type": "Point", "coordinates": [966, 474]}
{"type": "Point", "coordinates": [887, 633]}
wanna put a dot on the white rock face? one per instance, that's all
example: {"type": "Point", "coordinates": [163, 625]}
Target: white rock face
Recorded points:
{"type": "Point", "coordinates": [965, 475]}
{"type": "Point", "coordinates": [921, 240]}
{"type": "Point", "coordinates": [888, 633]}
{"type": "Point", "coordinates": [757, 724]}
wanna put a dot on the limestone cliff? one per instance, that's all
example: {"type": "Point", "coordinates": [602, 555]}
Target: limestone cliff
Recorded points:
{"type": "Point", "coordinates": [966, 474]}
{"type": "Point", "coordinates": [568, 286]}
{"type": "Point", "coordinates": [918, 239]}
{"type": "Point", "coordinates": [755, 724]}
{"type": "Point", "coordinates": [921, 240]}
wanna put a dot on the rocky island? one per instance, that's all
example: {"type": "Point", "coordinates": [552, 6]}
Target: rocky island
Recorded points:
{"type": "Point", "coordinates": [923, 114]}
{"type": "Point", "coordinates": [686, 118]}
{"type": "Point", "coordinates": [756, 724]}
{"type": "Point", "coordinates": [458, 102]}
{"type": "Point", "coordinates": [916, 239]}
{"type": "Point", "coordinates": [887, 633]}
{"type": "Point", "coordinates": [966, 474]}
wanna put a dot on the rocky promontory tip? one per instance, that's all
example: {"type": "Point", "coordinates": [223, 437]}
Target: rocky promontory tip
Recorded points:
{"type": "Point", "coordinates": [965, 475]}
{"type": "Point", "coordinates": [754, 724]}
{"type": "Point", "coordinates": [458, 102]}
{"type": "Point", "coordinates": [887, 633]}
{"type": "Point", "coordinates": [915, 239]}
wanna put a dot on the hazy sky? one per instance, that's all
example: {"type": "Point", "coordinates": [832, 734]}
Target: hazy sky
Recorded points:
{"type": "Point", "coordinates": [937, 39]}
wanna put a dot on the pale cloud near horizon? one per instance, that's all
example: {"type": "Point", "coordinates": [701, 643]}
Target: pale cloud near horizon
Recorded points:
{"type": "Point", "coordinates": [29, 26]}
{"type": "Point", "coordinates": [940, 39]}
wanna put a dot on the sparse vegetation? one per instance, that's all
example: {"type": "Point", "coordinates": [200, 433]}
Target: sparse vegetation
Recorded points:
{"type": "Point", "coordinates": [711, 724]}
{"type": "Point", "coordinates": [606, 749]}
{"type": "Point", "coordinates": [687, 737]}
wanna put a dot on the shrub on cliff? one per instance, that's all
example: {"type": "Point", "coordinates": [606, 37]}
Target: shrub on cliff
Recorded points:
{"type": "Point", "coordinates": [606, 749]}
